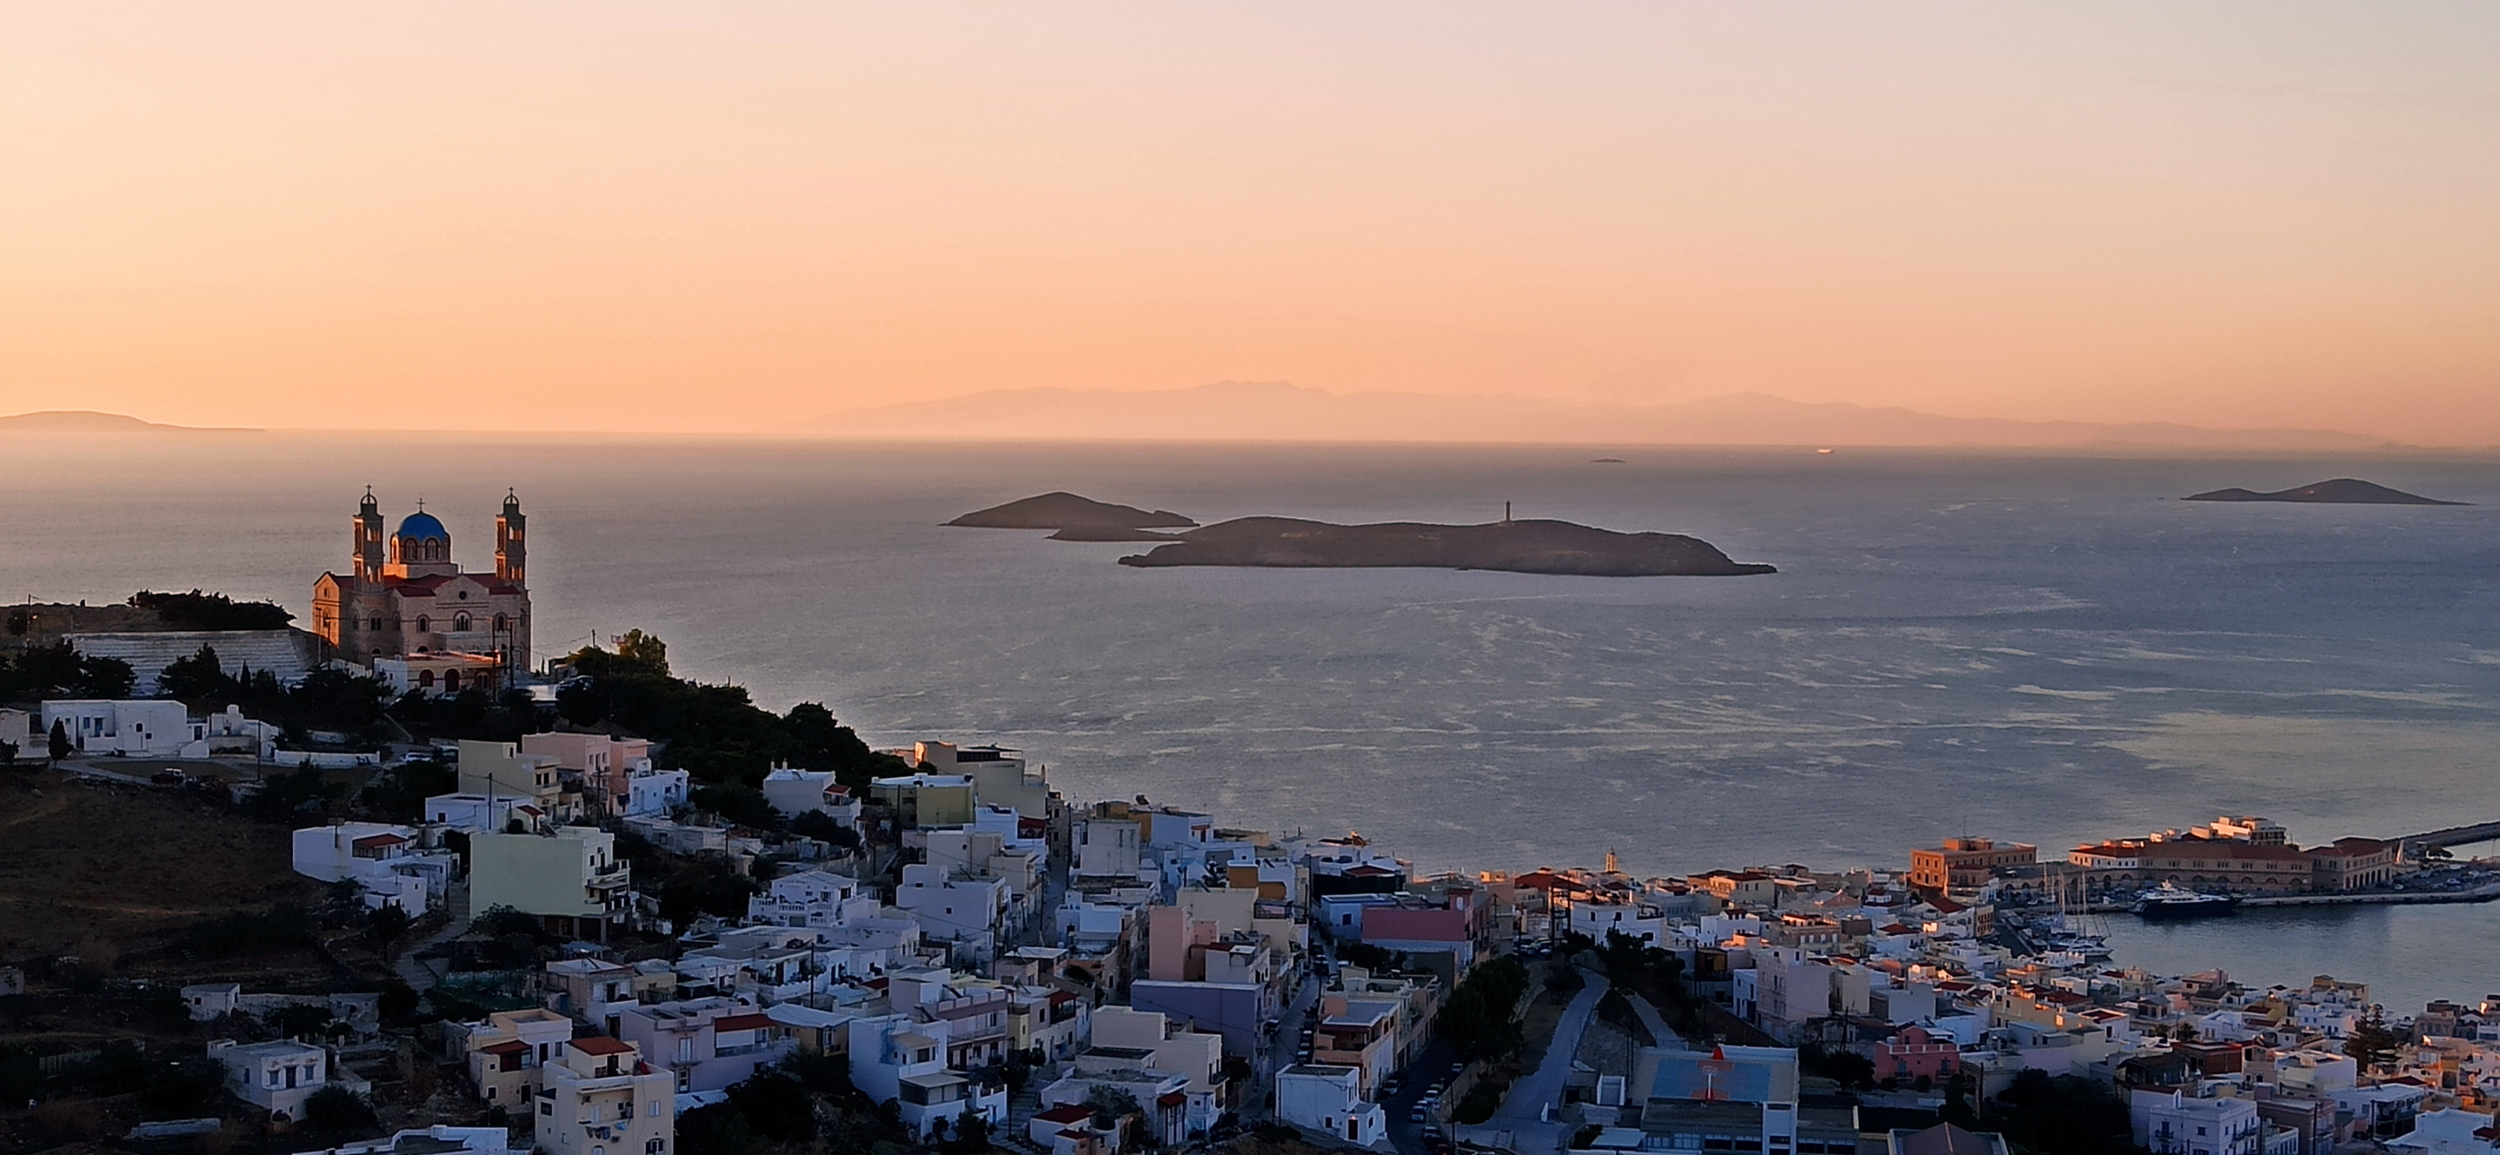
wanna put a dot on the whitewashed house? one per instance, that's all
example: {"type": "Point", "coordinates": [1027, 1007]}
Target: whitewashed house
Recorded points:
{"type": "Point", "coordinates": [383, 859]}
{"type": "Point", "coordinates": [1329, 1100]}
{"type": "Point", "coordinates": [275, 1077]}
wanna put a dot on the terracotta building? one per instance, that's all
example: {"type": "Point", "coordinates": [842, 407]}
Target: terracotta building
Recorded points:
{"type": "Point", "coordinates": [414, 599]}
{"type": "Point", "coordinates": [1966, 863]}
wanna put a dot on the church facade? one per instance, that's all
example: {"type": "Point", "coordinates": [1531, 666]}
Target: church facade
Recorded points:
{"type": "Point", "coordinates": [404, 597]}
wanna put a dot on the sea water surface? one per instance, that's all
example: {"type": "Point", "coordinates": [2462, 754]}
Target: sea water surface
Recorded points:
{"type": "Point", "coordinates": [2044, 647]}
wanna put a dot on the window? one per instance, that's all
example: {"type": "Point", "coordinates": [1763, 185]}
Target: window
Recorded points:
{"type": "Point", "coordinates": [425, 678]}
{"type": "Point", "coordinates": [460, 622]}
{"type": "Point", "coordinates": [374, 624]}
{"type": "Point", "coordinates": [502, 622]}
{"type": "Point", "coordinates": [424, 622]}
{"type": "Point", "coordinates": [546, 1107]}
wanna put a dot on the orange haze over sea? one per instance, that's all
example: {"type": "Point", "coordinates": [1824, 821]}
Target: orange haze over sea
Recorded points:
{"type": "Point", "coordinates": [731, 217]}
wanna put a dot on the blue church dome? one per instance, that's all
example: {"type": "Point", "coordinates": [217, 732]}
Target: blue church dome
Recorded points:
{"type": "Point", "coordinates": [422, 525]}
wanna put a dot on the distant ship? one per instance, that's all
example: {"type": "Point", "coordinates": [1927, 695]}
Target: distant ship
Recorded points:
{"type": "Point", "coordinates": [2167, 901]}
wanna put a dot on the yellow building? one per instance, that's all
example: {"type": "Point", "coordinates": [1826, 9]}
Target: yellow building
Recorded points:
{"type": "Point", "coordinates": [570, 877]}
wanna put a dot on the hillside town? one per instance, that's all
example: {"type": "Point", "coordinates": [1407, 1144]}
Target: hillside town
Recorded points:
{"type": "Point", "coordinates": [657, 919]}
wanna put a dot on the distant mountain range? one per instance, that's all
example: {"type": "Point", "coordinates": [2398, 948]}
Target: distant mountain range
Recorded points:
{"type": "Point", "coordinates": [89, 421]}
{"type": "Point", "coordinates": [1275, 411]}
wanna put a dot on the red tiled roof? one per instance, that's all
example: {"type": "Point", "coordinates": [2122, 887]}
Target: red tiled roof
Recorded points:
{"type": "Point", "coordinates": [1072, 1113]}
{"type": "Point", "coordinates": [601, 1045]}
{"type": "Point", "coordinates": [1172, 1098]}
{"type": "Point", "coordinates": [1367, 870]}
{"type": "Point", "coordinates": [507, 1047]}
{"type": "Point", "coordinates": [379, 840]}
{"type": "Point", "coordinates": [742, 1022]}
{"type": "Point", "coordinates": [1059, 998]}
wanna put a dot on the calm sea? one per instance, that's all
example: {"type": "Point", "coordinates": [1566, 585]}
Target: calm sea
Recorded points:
{"type": "Point", "coordinates": [2049, 648]}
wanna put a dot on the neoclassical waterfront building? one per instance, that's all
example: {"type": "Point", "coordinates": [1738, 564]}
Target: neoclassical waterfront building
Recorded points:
{"type": "Point", "coordinates": [416, 601]}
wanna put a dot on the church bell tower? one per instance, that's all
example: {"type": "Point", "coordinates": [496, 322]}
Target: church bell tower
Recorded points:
{"type": "Point", "coordinates": [511, 542]}
{"type": "Point", "coordinates": [368, 538]}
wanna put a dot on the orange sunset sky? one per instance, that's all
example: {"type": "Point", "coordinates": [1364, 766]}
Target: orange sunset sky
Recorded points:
{"type": "Point", "coordinates": [723, 217]}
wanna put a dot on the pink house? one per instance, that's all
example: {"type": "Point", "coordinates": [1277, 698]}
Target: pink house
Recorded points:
{"type": "Point", "coordinates": [1914, 1053]}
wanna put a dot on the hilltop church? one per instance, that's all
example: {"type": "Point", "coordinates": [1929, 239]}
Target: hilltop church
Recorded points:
{"type": "Point", "coordinates": [418, 614]}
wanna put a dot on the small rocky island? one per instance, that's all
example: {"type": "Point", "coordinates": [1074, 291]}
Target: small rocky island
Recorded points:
{"type": "Point", "coordinates": [2339, 491]}
{"type": "Point", "coordinates": [1542, 547]}
{"type": "Point", "coordinates": [1077, 518]}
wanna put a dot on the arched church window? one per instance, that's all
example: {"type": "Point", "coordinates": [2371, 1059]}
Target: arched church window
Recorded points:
{"type": "Point", "coordinates": [425, 678]}
{"type": "Point", "coordinates": [502, 623]}
{"type": "Point", "coordinates": [424, 622]}
{"type": "Point", "coordinates": [375, 624]}
{"type": "Point", "coordinates": [451, 681]}
{"type": "Point", "coordinates": [460, 622]}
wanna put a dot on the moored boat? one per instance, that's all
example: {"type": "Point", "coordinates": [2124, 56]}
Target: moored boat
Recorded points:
{"type": "Point", "coordinates": [2167, 901]}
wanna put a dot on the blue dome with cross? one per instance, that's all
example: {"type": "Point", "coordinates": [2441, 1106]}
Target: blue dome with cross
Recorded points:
{"type": "Point", "coordinates": [423, 526]}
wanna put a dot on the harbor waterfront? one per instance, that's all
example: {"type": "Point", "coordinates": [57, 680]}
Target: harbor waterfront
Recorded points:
{"type": "Point", "coordinates": [2361, 943]}
{"type": "Point", "coordinates": [1261, 923]}
{"type": "Point", "coordinates": [2033, 645]}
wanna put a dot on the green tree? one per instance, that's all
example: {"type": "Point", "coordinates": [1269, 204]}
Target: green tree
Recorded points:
{"type": "Point", "coordinates": [715, 1129]}
{"type": "Point", "coordinates": [1477, 1018]}
{"type": "Point", "coordinates": [2374, 1044]}
{"type": "Point", "coordinates": [300, 1021]}
{"type": "Point", "coordinates": [706, 884]}
{"type": "Point", "coordinates": [106, 678]}
{"type": "Point", "coordinates": [744, 805]}
{"type": "Point", "coordinates": [399, 1000]}
{"type": "Point", "coordinates": [2061, 1115]}
{"type": "Point", "coordinates": [386, 924]}
{"type": "Point", "coordinates": [338, 1110]}
{"type": "Point", "coordinates": [824, 828]}
{"type": "Point", "coordinates": [776, 1106]}
{"type": "Point", "coordinates": [500, 920]}
{"type": "Point", "coordinates": [824, 743]}
{"type": "Point", "coordinates": [205, 611]}
{"type": "Point", "coordinates": [60, 745]}
{"type": "Point", "coordinates": [199, 678]}
{"type": "Point", "coordinates": [972, 1136]}
{"type": "Point", "coordinates": [646, 651]}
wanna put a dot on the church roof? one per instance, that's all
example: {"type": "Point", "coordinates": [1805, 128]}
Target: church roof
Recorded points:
{"type": "Point", "coordinates": [422, 525]}
{"type": "Point", "coordinates": [430, 584]}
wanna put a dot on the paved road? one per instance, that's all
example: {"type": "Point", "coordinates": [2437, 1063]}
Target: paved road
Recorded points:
{"type": "Point", "coordinates": [1434, 1064]}
{"type": "Point", "coordinates": [415, 972]}
{"type": "Point", "coordinates": [91, 770]}
{"type": "Point", "coordinates": [1656, 1023]}
{"type": "Point", "coordinates": [1522, 1113]}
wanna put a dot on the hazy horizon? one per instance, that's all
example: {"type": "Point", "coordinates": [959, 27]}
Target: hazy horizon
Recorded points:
{"type": "Point", "coordinates": [673, 217]}
{"type": "Point", "coordinates": [1235, 412]}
